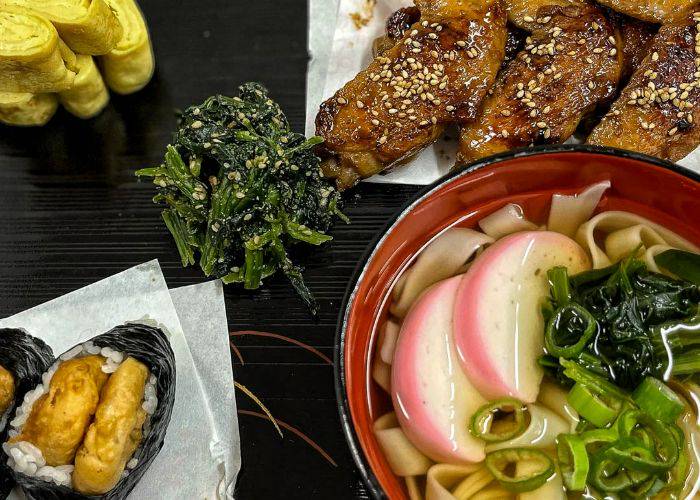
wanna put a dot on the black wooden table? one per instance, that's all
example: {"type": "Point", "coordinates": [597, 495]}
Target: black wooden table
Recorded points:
{"type": "Point", "coordinates": [71, 213]}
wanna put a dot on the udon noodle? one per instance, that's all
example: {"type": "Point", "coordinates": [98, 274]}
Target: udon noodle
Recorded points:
{"type": "Point", "coordinates": [608, 237]}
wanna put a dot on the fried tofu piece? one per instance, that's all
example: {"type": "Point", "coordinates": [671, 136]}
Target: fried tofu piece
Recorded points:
{"type": "Point", "coordinates": [59, 419]}
{"type": "Point", "coordinates": [437, 74]}
{"type": "Point", "coordinates": [116, 432]}
{"type": "Point", "coordinates": [657, 111]}
{"type": "Point", "coordinates": [653, 11]}
{"type": "Point", "coordinates": [570, 64]}
{"type": "Point", "coordinates": [7, 389]}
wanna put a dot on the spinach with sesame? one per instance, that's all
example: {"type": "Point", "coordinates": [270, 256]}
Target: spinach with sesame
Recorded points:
{"type": "Point", "coordinates": [240, 188]}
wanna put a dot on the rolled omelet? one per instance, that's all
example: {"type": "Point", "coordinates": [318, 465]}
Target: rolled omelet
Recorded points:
{"type": "Point", "coordinates": [59, 419]}
{"type": "Point", "coordinates": [116, 431]}
{"type": "Point", "coordinates": [32, 57]}
{"type": "Point", "coordinates": [88, 95]}
{"type": "Point", "coordinates": [7, 389]}
{"type": "Point", "coordinates": [27, 110]}
{"type": "Point", "coordinates": [129, 66]}
{"type": "Point", "coordinates": [87, 26]}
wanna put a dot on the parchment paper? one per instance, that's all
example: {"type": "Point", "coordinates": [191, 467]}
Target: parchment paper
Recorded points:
{"type": "Point", "coordinates": [202, 312]}
{"type": "Point", "coordinates": [186, 467]}
{"type": "Point", "coordinates": [350, 51]}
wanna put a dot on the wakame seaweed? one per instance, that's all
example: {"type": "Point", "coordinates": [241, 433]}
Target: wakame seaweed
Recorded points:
{"type": "Point", "coordinates": [647, 324]}
{"type": "Point", "coordinates": [241, 188]}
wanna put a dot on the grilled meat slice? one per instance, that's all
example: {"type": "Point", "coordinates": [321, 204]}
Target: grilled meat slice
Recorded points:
{"type": "Point", "coordinates": [658, 110]}
{"type": "Point", "coordinates": [571, 63]}
{"type": "Point", "coordinates": [396, 26]}
{"type": "Point", "coordinates": [522, 12]}
{"type": "Point", "coordinates": [515, 42]}
{"type": "Point", "coordinates": [636, 40]}
{"type": "Point", "coordinates": [399, 22]}
{"type": "Point", "coordinates": [438, 73]}
{"type": "Point", "coordinates": [402, 19]}
{"type": "Point", "coordinates": [653, 11]}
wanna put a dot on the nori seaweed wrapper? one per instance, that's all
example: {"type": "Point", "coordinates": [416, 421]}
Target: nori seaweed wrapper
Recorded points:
{"type": "Point", "coordinates": [150, 346]}
{"type": "Point", "coordinates": [27, 358]}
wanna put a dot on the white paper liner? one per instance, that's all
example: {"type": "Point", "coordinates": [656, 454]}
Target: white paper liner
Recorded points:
{"type": "Point", "coordinates": [351, 51]}
{"type": "Point", "coordinates": [202, 313]}
{"type": "Point", "coordinates": [186, 467]}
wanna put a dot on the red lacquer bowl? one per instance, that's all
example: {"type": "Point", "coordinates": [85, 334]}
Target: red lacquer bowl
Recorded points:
{"type": "Point", "coordinates": [658, 190]}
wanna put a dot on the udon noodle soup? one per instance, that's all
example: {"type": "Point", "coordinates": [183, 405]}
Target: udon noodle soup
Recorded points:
{"type": "Point", "coordinates": [555, 360]}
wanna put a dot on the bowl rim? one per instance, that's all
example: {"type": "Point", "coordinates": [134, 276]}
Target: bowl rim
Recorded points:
{"type": "Point", "coordinates": [368, 476]}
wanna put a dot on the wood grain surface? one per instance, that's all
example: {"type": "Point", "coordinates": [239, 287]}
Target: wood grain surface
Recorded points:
{"type": "Point", "coordinates": [71, 213]}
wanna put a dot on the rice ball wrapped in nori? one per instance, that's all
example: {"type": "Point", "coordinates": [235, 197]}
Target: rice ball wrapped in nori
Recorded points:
{"type": "Point", "coordinates": [23, 359]}
{"type": "Point", "coordinates": [135, 358]}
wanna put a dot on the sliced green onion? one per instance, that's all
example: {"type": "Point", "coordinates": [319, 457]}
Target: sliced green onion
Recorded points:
{"type": "Point", "coordinates": [503, 465]}
{"type": "Point", "coordinates": [597, 384]}
{"type": "Point", "coordinates": [596, 438]}
{"type": "Point", "coordinates": [573, 461]}
{"type": "Point", "coordinates": [643, 436]}
{"type": "Point", "coordinates": [591, 407]}
{"type": "Point", "coordinates": [489, 424]}
{"type": "Point", "coordinates": [635, 456]}
{"type": "Point", "coordinates": [677, 476]}
{"type": "Point", "coordinates": [658, 400]}
{"type": "Point", "coordinates": [559, 285]}
{"type": "Point", "coordinates": [646, 489]}
{"type": "Point", "coordinates": [665, 451]}
{"type": "Point", "coordinates": [568, 321]}
{"type": "Point", "coordinates": [592, 363]}
{"type": "Point", "coordinates": [607, 476]}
